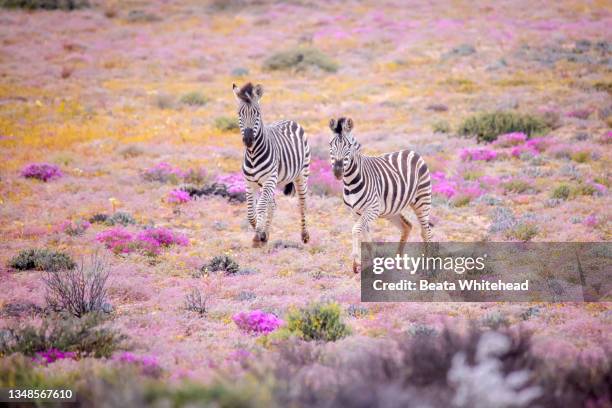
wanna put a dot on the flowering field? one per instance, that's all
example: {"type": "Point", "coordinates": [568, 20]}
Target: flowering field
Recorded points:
{"type": "Point", "coordinates": [121, 155]}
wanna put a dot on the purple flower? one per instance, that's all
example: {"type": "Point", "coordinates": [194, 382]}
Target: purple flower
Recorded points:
{"type": "Point", "coordinates": [147, 365]}
{"type": "Point", "coordinates": [322, 179]}
{"type": "Point", "coordinates": [52, 355]}
{"type": "Point", "coordinates": [118, 239]}
{"type": "Point", "coordinates": [591, 221]}
{"type": "Point", "coordinates": [579, 113]}
{"type": "Point", "coordinates": [235, 182]}
{"type": "Point", "coordinates": [477, 154]}
{"type": "Point", "coordinates": [163, 172]}
{"type": "Point", "coordinates": [178, 197]}
{"type": "Point", "coordinates": [41, 171]}
{"type": "Point", "coordinates": [510, 139]}
{"type": "Point", "coordinates": [518, 151]}
{"type": "Point", "coordinates": [257, 322]}
{"type": "Point", "coordinates": [163, 236]}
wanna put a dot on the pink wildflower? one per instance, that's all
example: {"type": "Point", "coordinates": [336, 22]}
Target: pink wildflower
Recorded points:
{"type": "Point", "coordinates": [477, 154]}
{"type": "Point", "coordinates": [52, 355]}
{"type": "Point", "coordinates": [41, 171]}
{"type": "Point", "coordinates": [510, 139]}
{"type": "Point", "coordinates": [235, 182]}
{"type": "Point", "coordinates": [178, 197]}
{"type": "Point", "coordinates": [257, 322]}
{"type": "Point", "coordinates": [118, 239]}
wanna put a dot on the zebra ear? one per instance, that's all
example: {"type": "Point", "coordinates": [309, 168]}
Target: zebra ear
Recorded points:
{"type": "Point", "coordinates": [258, 91]}
{"type": "Point", "coordinates": [236, 90]}
{"type": "Point", "coordinates": [348, 125]}
{"type": "Point", "coordinates": [332, 124]}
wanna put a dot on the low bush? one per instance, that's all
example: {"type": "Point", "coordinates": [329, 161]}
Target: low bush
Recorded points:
{"type": "Point", "coordinates": [257, 322]}
{"type": "Point", "coordinates": [318, 322]}
{"type": "Point", "coordinates": [41, 260]}
{"type": "Point", "coordinates": [194, 99]}
{"type": "Point", "coordinates": [226, 123]}
{"type": "Point", "coordinates": [476, 368]}
{"type": "Point", "coordinates": [194, 302]}
{"type": "Point", "coordinates": [85, 336]}
{"type": "Point", "coordinates": [164, 101]}
{"type": "Point", "coordinates": [131, 151]}
{"type": "Point", "coordinates": [221, 263]}
{"type": "Point", "coordinates": [487, 126]}
{"type": "Point", "coordinates": [517, 186]}
{"type": "Point", "coordinates": [41, 171]}
{"type": "Point", "coordinates": [523, 231]}
{"type": "Point", "coordinates": [300, 59]}
{"type": "Point", "coordinates": [80, 290]}
{"type": "Point", "coordinates": [45, 4]}
{"type": "Point", "coordinates": [441, 126]}
{"type": "Point", "coordinates": [561, 192]}
{"type": "Point", "coordinates": [120, 218]}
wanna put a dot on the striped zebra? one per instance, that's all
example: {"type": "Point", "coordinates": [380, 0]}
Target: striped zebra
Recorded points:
{"type": "Point", "coordinates": [276, 155]}
{"type": "Point", "coordinates": [382, 186]}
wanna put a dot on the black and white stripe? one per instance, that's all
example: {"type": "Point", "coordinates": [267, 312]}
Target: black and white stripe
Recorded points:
{"type": "Point", "coordinates": [275, 154]}
{"type": "Point", "coordinates": [383, 186]}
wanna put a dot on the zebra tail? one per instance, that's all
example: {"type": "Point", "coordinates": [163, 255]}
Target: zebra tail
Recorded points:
{"type": "Point", "coordinates": [289, 189]}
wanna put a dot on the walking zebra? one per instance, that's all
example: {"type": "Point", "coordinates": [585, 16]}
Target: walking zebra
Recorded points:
{"type": "Point", "coordinates": [382, 186]}
{"type": "Point", "coordinates": [276, 154]}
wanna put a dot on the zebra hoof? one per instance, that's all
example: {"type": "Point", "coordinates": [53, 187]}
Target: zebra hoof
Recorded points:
{"type": "Point", "coordinates": [260, 239]}
{"type": "Point", "coordinates": [356, 267]}
{"type": "Point", "coordinates": [305, 237]}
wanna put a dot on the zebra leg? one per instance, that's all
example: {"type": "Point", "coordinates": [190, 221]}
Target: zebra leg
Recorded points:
{"type": "Point", "coordinates": [405, 227]}
{"type": "Point", "coordinates": [302, 188]}
{"type": "Point", "coordinates": [361, 226]}
{"type": "Point", "coordinates": [264, 211]}
{"type": "Point", "coordinates": [422, 213]}
{"type": "Point", "coordinates": [250, 199]}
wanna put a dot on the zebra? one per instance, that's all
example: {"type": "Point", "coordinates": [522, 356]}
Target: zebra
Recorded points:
{"type": "Point", "coordinates": [277, 154]}
{"type": "Point", "coordinates": [382, 186]}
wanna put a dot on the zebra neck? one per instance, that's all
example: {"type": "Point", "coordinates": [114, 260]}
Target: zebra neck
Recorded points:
{"type": "Point", "coordinates": [260, 143]}
{"type": "Point", "coordinates": [353, 174]}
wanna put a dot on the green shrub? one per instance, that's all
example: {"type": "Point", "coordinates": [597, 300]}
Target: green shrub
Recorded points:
{"type": "Point", "coordinates": [561, 192]}
{"type": "Point", "coordinates": [584, 189]}
{"type": "Point", "coordinates": [164, 101]}
{"type": "Point", "coordinates": [582, 156]}
{"type": "Point", "coordinates": [461, 200]}
{"type": "Point", "coordinates": [41, 260]}
{"type": "Point", "coordinates": [131, 151]}
{"type": "Point", "coordinates": [80, 335]}
{"type": "Point", "coordinates": [194, 99]}
{"type": "Point", "coordinates": [120, 218]}
{"type": "Point", "coordinates": [45, 4]}
{"type": "Point", "coordinates": [603, 86]}
{"type": "Point", "coordinates": [517, 186]}
{"type": "Point", "coordinates": [318, 322]}
{"type": "Point", "coordinates": [226, 123]}
{"type": "Point", "coordinates": [487, 126]}
{"type": "Point", "coordinates": [300, 59]}
{"type": "Point", "coordinates": [223, 263]}
{"type": "Point", "coordinates": [441, 126]}
{"type": "Point", "coordinates": [523, 232]}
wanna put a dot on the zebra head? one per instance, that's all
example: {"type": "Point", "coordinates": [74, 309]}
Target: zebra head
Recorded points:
{"type": "Point", "coordinates": [342, 146]}
{"type": "Point", "coordinates": [249, 114]}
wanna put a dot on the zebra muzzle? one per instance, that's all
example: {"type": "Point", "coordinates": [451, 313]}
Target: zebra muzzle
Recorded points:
{"type": "Point", "coordinates": [247, 137]}
{"type": "Point", "coordinates": [338, 169]}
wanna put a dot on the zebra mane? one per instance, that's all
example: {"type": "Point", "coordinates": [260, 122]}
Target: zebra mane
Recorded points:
{"type": "Point", "coordinates": [246, 92]}
{"type": "Point", "coordinates": [339, 123]}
